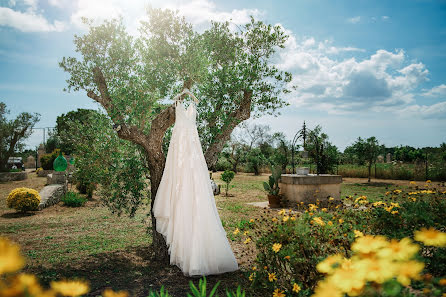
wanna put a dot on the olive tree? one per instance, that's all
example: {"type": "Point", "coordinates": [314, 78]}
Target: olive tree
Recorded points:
{"type": "Point", "coordinates": [14, 132]}
{"type": "Point", "coordinates": [131, 78]}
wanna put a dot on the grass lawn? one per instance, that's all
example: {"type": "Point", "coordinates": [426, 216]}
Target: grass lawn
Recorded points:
{"type": "Point", "coordinates": [91, 243]}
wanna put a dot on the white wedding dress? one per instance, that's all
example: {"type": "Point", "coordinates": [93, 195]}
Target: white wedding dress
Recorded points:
{"type": "Point", "coordinates": [184, 205]}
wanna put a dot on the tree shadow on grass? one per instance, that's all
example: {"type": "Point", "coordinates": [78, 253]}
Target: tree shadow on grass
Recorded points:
{"type": "Point", "coordinates": [374, 184]}
{"type": "Point", "coordinates": [13, 215]}
{"type": "Point", "coordinates": [132, 270]}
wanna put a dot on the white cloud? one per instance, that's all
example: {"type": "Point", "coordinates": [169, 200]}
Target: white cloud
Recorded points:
{"type": "Point", "coordinates": [202, 11]}
{"type": "Point", "coordinates": [56, 3]}
{"type": "Point", "coordinates": [385, 17]}
{"type": "Point", "coordinates": [437, 110]}
{"type": "Point", "coordinates": [28, 21]}
{"type": "Point", "coordinates": [437, 91]}
{"type": "Point", "coordinates": [354, 20]}
{"type": "Point", "coordinates": [12, 3]}
{"type": "Point", "coordinates": [330, 81]}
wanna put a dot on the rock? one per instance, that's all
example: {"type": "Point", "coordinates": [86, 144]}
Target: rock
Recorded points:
{"type": "Point", "coordinates": [215, 187]}
{"type": "Point", "coordinates": [57, 177]}
{"type": "Point", "coordinates": [11, 176]}
{"type": "Point", "coordinates": [51, 195]}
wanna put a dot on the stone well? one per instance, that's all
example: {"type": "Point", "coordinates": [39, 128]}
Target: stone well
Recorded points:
{"type": "Point", "coordinates": [308, 188]}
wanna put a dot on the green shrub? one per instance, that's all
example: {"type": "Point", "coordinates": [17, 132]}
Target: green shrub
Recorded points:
{"type": "Point", "coordinates": [222, 164]}
{"type": "Point", "coordinates": [73, 199]}
{"type": "Point", "coordinates": [227, 177]}
{"type": "Point", "coordinates": [86, 188]}
{"type": "Point", "coordinates": [289, 247]}
{"type": "Point", "coordinates": [47, 160]}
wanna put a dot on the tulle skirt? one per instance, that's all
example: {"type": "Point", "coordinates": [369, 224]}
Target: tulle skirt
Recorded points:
{"type": "Point", "coordinates": [185, 209]}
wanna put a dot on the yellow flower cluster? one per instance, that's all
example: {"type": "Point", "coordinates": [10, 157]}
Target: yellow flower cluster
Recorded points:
{"type": "Point", "coordinates": [375, 260]}
{"type": "Point", "coordinates": [431, 237]}
{"type": "Point", "coordinates": [23, 199]}
{"type": "Point", "coordinates": [23, 284]}
{"type": "Point", "coordinates": [361, 200]}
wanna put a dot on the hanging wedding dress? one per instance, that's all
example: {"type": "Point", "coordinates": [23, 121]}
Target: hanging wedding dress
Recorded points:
{"type": "Point", "coordinates": [184, 205]}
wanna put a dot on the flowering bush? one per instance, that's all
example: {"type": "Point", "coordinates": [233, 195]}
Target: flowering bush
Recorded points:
{"type": "Point", "coordinates": [378, 267]}
{"type": "Point", "coordinates": [23, 199]}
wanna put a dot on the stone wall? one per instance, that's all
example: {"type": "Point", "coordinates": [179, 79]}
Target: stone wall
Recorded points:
{"type": "Point", "coordinates": [12, 176]}
{"type": "Point", "coordinates": [309, 188]}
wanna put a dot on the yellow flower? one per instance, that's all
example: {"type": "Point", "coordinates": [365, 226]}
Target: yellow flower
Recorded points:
{"type": "Point", "coordinates": [70, 288]}
{"type": "Point", "coordinates": [319, 221]}
{"type": "Point", "coordinates": [247, 240]}
{"type": "Point", "coordinates": [310, 213]}
{"type": "Point", "coordinates": [10, 258]}
{"type": "Point", "coordinates": [330, 223]}
{"type": "Point", "coordinates": [394, 204]}
{"type": "Point", "coordinates": [428, 181]}
{"type": "Point", "coordinates": [282, 212]}
{"type": "Point", "coordinates": [251, 276]}
{"type": "Point", "coordinates": [24, 284]}
{"type": "Point", "coordinates": [236, 231]}
{"type": "Point", "coordinates": [331, 198]}
{"type": "Point", "coordinates": [349, 276]}
{"type": "Point", "coordinates": [246, 233]}
{"type": "Point", "coordinates": [409, 270]}
{"type": "Point", "coordinates": [368, 243]}
{"type": "Point", "coordinates": [278, 293]}
{"type": "Point", "coordinates": [402, 250]}
{"type": "Point", "coordinates": [254, 267]}
{"type": "Point", "coordinates": [272, 276]}
{"type": "Point", "coordinates": [358, 233]}
{"type": "Point", "coordinates": [327, 289]}
{"type": "Point", "coordinates": [327, 266]}
{"type": "Point", "coordinates": [312, 207]}
{"type": "Point", "coordinates": [412, 182]}
{"type": "Point", "coordinates": [431, 237]}
{"type": "Point", "coordinates": [111, 293]}
{"type": "Point", "coordinates": [394, 212]}
{"type": "Point", "coordinates": [251, 220]}
{"type": "Point", "coordinates": [397, 191]}
{"type": "Point", "coordinates": [324, 209]}
{"type": "Point", "coordinates": [274, 219]}
{"type": "Point", "coordinates": [442, 282]}
{"type": "Point", "coordinates": [293, 218]}
{"type": "Point", "coordinates": [265, 267]}
{"type": "Point", "coordinates": [341, 221]}
{"type": "Point", "coordinates": [286, 218]}
{"type": "Point", "coordinates": [287, 257]}
{"type": "Point", "coordinates": [296, 288]}
{"type": "Point", "coordinates": [276, 247]}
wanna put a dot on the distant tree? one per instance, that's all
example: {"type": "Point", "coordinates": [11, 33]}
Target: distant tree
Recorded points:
{"type": "Point", "coordinates": [255, 160]}
{"type": "Point", "coordinates": [13, 133]}
{"type": "Point", "coordinates": [282, 152]}
{"type": "Point", "coordinates": [366, 151]}
{"type": "Point", "coordinates": [235, 152]}
{"type": "Point", "coordinates": [323, 153]}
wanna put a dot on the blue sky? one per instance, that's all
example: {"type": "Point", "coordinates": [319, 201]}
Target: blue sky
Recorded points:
{"type": "Point", "coordinates": [363, 68]}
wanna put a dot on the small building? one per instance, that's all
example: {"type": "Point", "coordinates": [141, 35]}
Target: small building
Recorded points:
{"type": "Point", "coordinates": [15, 162]}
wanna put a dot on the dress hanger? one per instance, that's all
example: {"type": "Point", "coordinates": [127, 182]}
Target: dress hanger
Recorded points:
{"type": "Point", "coordinates": [186, 91]}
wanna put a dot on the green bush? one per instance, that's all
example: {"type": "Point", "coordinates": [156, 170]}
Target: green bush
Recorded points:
{"type": "Point", "coordinates": [73, 199]}
{"type": "Point", "coordinates": [227, 177]}
{"type": "Point", "coordinates": [420, 209]}
{"type": "Point", "coordinates": [86, 188]}
{"type": "Point", "coordinates": [47, 160]}
{"type": "Point", "coordinates": [223, 164]}
{"type": "Point", "coordinates": [289, 246]}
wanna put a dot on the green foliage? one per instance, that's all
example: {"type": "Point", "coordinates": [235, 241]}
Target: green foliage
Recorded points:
{"type": "Point", "coordinates": [426, 211]}
{"type": "Point", "coordinates": [47, 160]}
{"type": "Point", "coordinates": [255, 160]}
{"type": "Point", "coordinates": [223, 164]}
{"type": "Point", "coordinates": [324, 154]}
{"type": "Point", "coordinates": [272, 186]}
{"type": "Point", "coordinates": [102, 158]}
{"type": "Point", "coordinates": [73, 199]}
{"type": "Point", "coordinates": [84, 186]}
{"type": "Point", "coordinates": [13, 133]}
{"type": "Point", "coordinates": [200, 291]}
{"type": "Point", "coordinates": [303, 245]}
{"type": "Point", "coordinates": [227, 177]}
